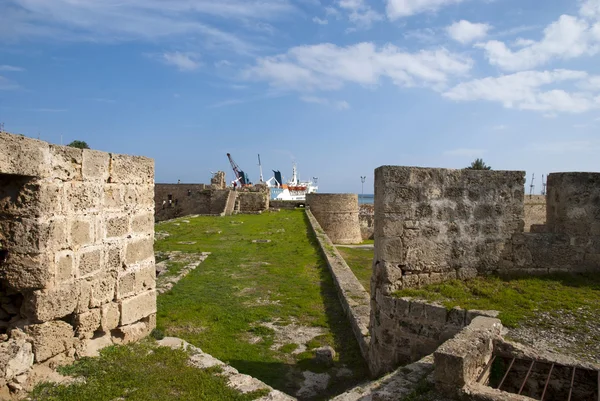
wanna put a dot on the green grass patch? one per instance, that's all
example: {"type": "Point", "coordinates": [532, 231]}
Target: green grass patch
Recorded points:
{"type": "Point", "coordinates": [142, 372]}
{"type": "Point", "coordinates": [360, 261]}
{"type": "Point", "coordinates": [517, 299]}
{"type": "Point", "coordinates": [220, 305]}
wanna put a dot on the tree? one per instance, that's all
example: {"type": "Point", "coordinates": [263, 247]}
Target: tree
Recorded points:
{"type": "Point", "coordinates": [79, 145]}
{"type": "Point", "coordinates": [478, 164]}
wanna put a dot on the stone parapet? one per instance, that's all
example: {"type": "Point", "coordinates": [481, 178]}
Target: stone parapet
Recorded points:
{"type": "Point", "coordinates": [72, 222]}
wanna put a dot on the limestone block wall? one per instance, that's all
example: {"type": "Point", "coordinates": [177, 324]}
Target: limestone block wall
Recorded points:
{"type": "Point", "coordinates": [338, 216]}
{"type": "Point", "coordinates": [570, 239]}
{"type": "Point", "coordinates": [574, 204]}
{"type": "Point", "coordinates": [252, 202]}
{"type": "Point", "coordinates": [436, 224]}
{"type": "Point", "coordinates": [534, 211]}
{"type": "Point", "coordinates": [366, 219]}
{"type": "Point", "coordinates": [77, 229]}
{"type": "Point", "coordinates": [177, 200]}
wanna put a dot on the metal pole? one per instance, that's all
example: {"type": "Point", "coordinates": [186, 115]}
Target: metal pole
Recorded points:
{"type": "Point", "coordinates": [362, 180]}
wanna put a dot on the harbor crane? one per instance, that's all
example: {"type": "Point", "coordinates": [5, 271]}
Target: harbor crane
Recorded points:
{"type": "Point", "coordinates": [240, 176]}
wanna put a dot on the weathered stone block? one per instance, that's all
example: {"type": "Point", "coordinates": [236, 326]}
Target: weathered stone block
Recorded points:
{"type": "Point", "coordinates": [110, 317]}
{"type": "Point", "coordinates": [90, 261]}
{"type": "Point", "coordinates": [24, 156]}
{"type": "Point", "coordinates": [103, 289]}
{"type": "Point", "coordinates": [142, 223]}
{"type": "Point", "coordinates": [117, 226]}
{"type": "Point", "coordinates": [126, 284]}
{"type": "Point", "coordinates": [112, 258]}
{"type": "Point", "coordinates": [55, 303]}
{"type": "Point", "coordinates": [139, 250]}
{"type": "Point", "coordinates": [80, 233]}
{"type": "Point", "coordinates": [125, 169]}
{"type": "Point", "coordinates": [83, 197]}
{"type": "Point", "coordinates": [113, 196]}
{"type": "Point", "coordinates": [87, 323]}
{"type": "Point", "coordinates": [138, 307]}
{"type": "Point", "coordinates": [65, 270]}
{"type": "Point", "coordinates": [134, 332]}
{"type": "Point", "coordinates": [50, 339]}
{"type": "Point", "coordinates": [95, 165]}
{"type": "Point", "coordinates": [27, 272]}
{"type": "Point", "coordinates": [66, 163]}
{"type": "Point", "coordinates": [16, 358]}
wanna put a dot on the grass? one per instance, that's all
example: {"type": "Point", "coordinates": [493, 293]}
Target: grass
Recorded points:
{"type": "Point", "coordinates": [518, 299]}
{"type": "Point", "coordinates": [142, 372]}
{"type": "Point", "coordinates": [360, 261]}
{"type": "Point", "coordinates": [221, 305]}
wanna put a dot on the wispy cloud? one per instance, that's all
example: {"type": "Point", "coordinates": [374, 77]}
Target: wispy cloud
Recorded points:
{"type": "Point", "coordinates": [144, 20]}
{"type": "Point", "coordinates": [11, 68]}
{"type": "Point", "coordinates": [336, 104]}
{"type": "Point", "coordinates": [320, 21]}
{"type": "Point", "coordinates": [559, 147]}
{"type": "Point", "coordinates": [7, 84]}
{"type": "Point", "coordinates": [183, 61]}
{"type": "Point", "coordinates": [500, 127]}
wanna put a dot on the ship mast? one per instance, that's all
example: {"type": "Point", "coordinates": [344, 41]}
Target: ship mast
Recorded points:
{"type": "Point", "coordinates": [260, 167]}
{"type": "Point", "coordinates": [294, 180]}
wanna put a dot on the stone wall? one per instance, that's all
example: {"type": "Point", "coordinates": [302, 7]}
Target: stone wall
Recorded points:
{"type": "Point", "coordinates": [570, 239]}
{"type": "Point", "coordinates": [534, 211]}
{"type": "Point", "coordinates": [437, 224]}
{"type": "Point", "coordinates": [252, 202]}
{"type": "Point", "coordinates": [279, 204]}
{"type": "Point", "coordinates": [177, 200]}
{"type": "Point", "coordinates": [366, 219]}
{"type": "Point", "coordinates": [77, 232]}
{"type": "Point", "coordinates": [338, 216]}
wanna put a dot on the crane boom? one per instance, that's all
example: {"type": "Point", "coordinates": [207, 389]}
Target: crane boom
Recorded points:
{"type": "Point", "coordinates": [239, 174]}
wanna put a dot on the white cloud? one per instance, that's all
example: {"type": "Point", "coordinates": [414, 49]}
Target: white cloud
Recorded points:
{"type": "Point", "coordinates": [569, 37]}
{"type": "Point", "coordinates": [145, 20]}
{"type": "Point", "coordinates": [467, 32]}
{"type": "Point", "coordinates": [7, 84]}
{"type": "Point", "coordinates": [522, 90]}
{"type": "Point", "coordinates": [320, 21]}
{"type": "Point", "coordinates": [328, 67]}
{"type": "Point", "coordinates": [11, 68]}
{"type": "Point", "coordinates": [500, 127]}
{"type": "Point", "coordinates": [590, 9]}
{"type": "Point", "coordinates": [425, 35]}
{"type": "Point", "coordinates": [360, 13]}
{"type": "Point", "coordinates": [405, 8]}
{"type": "Point", "coordinates": [465, 152]}
{"type": "Point", "coordinates": [338, 105]}
{"type": "Point", "coordinates": [183, 61]}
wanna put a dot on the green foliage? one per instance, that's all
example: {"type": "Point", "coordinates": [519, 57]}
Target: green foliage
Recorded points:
{"type": "Point", "coordinates": [221, 305]}
{"type": "Point", "coordinates": [140, 372]}
{"type": "Point", "coordinates": [360, 261]}
{"type": "Point", "coordinates": [517, 299]}
{"type": "Point", "coordinates": [478, 164]}
{"type": "Point", "coordinates": [79, 144]}
{"type": "Point", "coordinates": [157, 334]}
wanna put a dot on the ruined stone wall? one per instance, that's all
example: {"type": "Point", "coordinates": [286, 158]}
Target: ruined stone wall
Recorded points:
{"type": "Point", "coordinates": [77, 227]}
{"type": "Point", "coordinates": [433, 225]}
{"type": "Point", "coordinates": [177, 200]}
{"type": "Point", "coordinates": [436, 224]}
{"type": "Point", "coordinates": [252, 202]}
{"type": "Point", "coordinates": [279, 204]}
{"type": "Point", "coordinates": [534, 211]}
{"type": "Point", "coordinates": [338, 216]}
{"type": "Point", "coordinates": [366, 219]}
{"type": "Point", "coordinates": [570, 239]}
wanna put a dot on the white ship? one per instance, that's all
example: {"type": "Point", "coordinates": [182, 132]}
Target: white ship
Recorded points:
{"type": "Point", "coordinates": [294, 190]}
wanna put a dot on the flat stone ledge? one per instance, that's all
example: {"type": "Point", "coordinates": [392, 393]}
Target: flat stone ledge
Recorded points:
{"type": "Point", "coordinates": [354, 298]}
{"type": "Point", "coordinates": [236, 380]}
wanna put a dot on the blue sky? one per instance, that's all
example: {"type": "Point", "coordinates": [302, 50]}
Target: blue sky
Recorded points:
{"type": "Point", "coordinates": [340, 86]}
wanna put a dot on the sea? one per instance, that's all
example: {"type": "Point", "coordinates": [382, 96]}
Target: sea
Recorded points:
{"type": "Point", "coordinates": [366, 199]}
